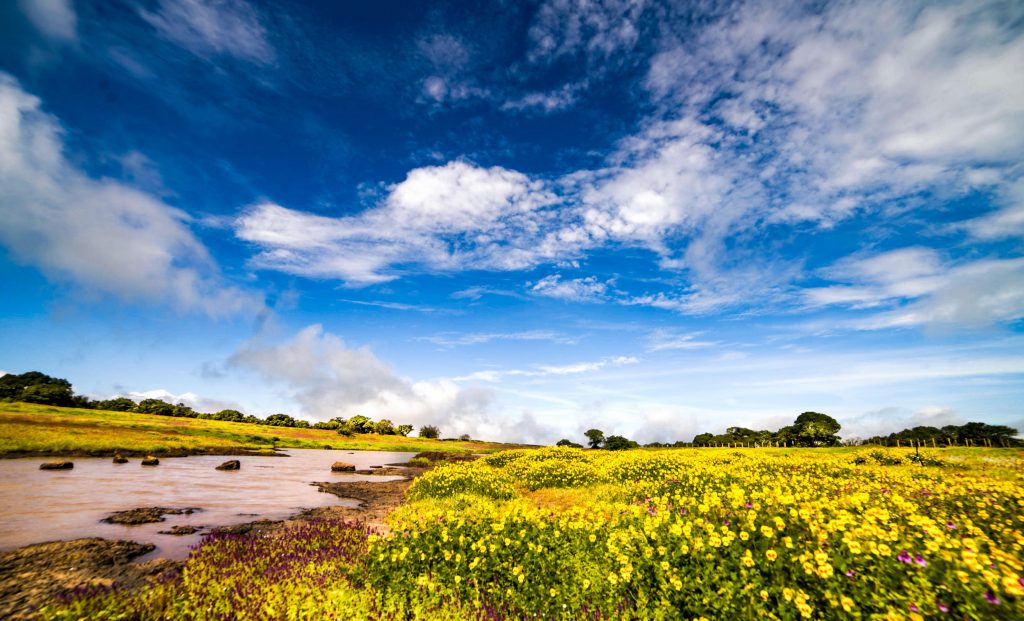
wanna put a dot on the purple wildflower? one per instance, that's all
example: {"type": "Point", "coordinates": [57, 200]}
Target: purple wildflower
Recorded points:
{"type": "Point", "coordinates": [920, 560]}
{"type": "Point", "coordinates": [942, 607]}
{"type": "Point", "coordinates": [914, 608]}
{"type": "Point", "coordinates": [904, 557]}
{"type": "Point", "coordinates": [991, 598]}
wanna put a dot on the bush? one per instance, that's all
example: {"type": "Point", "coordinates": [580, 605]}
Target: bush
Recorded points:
{"type": "Point", "coordinates": [456, 479]}
{"type": "Point", "coordinates": [430, 431]}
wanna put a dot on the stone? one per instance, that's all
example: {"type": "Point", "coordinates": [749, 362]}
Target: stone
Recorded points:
{"type": "Point", "coordinates": [57, 465]}
{"type": "Point", "coordinates": [180, 530]}
{"type": "Point", "coordinates": [233, 464]}
{"type": "Point", "coordinates": [120, 459]}
{"type": "Point", "coordinates": [150, 461]}
{"type": "Point", "coordinates": [341, 466]}
{"type": "Point", "coordinates": [145, 515]}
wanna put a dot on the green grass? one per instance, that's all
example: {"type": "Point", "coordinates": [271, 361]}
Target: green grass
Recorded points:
{"type": "Point", "coordinates": [27, 429]}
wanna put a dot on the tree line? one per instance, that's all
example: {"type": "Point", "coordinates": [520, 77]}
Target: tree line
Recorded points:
{"type": "Point", "coordinates": [814, 429]}
{"type": "Point", "coordinates": [42, 389]}
{"type": "Point", "coordinates": [968, 434]}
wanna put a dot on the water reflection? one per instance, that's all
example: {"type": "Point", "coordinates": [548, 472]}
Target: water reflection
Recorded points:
{"type": "Point", "coordinates": [38, 506]}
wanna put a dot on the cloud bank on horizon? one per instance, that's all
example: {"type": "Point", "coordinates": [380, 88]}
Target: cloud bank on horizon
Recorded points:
{"type": "Point", "coordinates": [663, 218]}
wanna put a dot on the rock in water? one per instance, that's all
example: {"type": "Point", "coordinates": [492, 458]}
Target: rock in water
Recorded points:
{"type": "Point", "coordinates": [341, 466]}
{"type": "Point", "coordinates": [230, 465]}
{"type": "Point", "coordinates": [120, 459]}
{"type": "Point", "coordinates": [180, 530]}
{"type": "Point", "coordinates": [57, 465]}
{"type": "Point", "coordinates": [145, 515]}
{"type": "Point", "coordinates": [150, 461]}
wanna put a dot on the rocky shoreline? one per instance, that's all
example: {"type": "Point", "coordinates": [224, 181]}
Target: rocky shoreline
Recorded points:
{"type": "Point", "coordinates": [35, 575]}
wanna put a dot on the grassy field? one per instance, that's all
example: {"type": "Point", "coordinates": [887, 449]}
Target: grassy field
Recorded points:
{"type": "Point", "coordinates": [27, 429]}
{"type": "Point", "coordinates": [694, 534]}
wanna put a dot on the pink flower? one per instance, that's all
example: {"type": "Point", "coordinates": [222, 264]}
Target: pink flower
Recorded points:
{"type": "Point", "coordinates": [904, 557]}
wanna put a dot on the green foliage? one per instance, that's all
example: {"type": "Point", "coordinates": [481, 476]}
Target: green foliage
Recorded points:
{"type": "Point", "coordinates": [229, 415]}
{"type": "Point", "coordinates": [403, 430]}
{"type": "Point", "coordinates": [569, 443]}
{"type": "Point", "coordinates": [155, 406]}
{"type": "Point", "coordinates": [595, 437]}
{"type": "Point", "coordinates": [456, 479]}
{"type": "Point", "coordinates": [117, 404]}
{"type": "Point", "coordinates": [360, 424]}
{"type": "Point", "coordinates": [430, 431]}
{"type": "Point", "coordinates": [619, 443]}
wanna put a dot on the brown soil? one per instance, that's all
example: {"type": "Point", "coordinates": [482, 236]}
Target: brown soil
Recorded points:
{"type": "Point", "coordinates": [35, 575]}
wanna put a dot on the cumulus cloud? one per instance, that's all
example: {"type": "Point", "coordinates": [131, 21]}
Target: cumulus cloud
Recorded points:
{"type": "Point", "coordinates": [440, 218]}
{"type": "Point", "coordinates": [191, 399]}
{"type": "Point", "coordinates": [100, 234]}
{"type": "Point", "coordinates": [210, 28]}
{"type": "Point", "coordinates": [328, 378]}
{"type": "Point", "coordinates": [56, 19]}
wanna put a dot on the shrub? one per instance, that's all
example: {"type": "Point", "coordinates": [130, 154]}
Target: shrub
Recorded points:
{"type": "Point", "coordinates": [455, 479]}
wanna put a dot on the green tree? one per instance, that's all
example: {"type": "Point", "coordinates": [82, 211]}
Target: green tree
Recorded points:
{"type": "Point", "coordinates": [430, 431]}
{"type": "Point", "coordinates": [816, 429]}
{"type": "Point", "coordinates": [360, 424]}
{"type": "Point", "coordinates": [384, 427]}
{"type": "Point", "coordinates": [703, 438]}
{"type": "Point", "coordinates": [233, 416]}
{"type": "Point", "coordinates": [403, 430]}
{"type": "Point", "coordinates": [36, 387]}
{"type": "Point", "coordinates": [619, 443]}
{"type": "Point", "coordinates": [47, 394]}
{"type": "Point", "coordinates": [595, 437]}
{"type": "Point", "coordinates": [564, 442]}
{"type": "Point", "coordinates": [155, 406]}
{"type": "Point", "coordinates": [279, 420]}
{"type": "Point", "coordinates": [117, 404]}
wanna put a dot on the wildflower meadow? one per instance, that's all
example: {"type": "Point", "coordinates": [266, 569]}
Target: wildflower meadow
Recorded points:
{"type": "Point", "coordinates": [562, 533]}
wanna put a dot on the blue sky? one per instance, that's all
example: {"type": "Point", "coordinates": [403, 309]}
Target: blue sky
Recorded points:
{"type": "Point", "coordinates": [520, 220]}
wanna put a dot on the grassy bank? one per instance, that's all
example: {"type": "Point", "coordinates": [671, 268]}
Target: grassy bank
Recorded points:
{"type": "Point", "coordinates": [27, 429]}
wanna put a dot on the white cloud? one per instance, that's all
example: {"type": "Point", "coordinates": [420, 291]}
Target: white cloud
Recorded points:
{"type": "Point", "coordinates": [440, 218]}
{"type": "Point", "coordinates": [856, 111]}
{"type": "Point", "coordinates": [599, 30]}
{"type": "Point", "coordinates": [668, 340]}
{"type": "Point", "coordinates": [576, 290]}
{"type": "Point", "coordinates": [550, 101]}
{"type": "Point", "coordinates": [54, 18]}
{"type": "Point", "coordinates": [328, 378]}
{"type": "Point", "coordinates": [209, 28]}
{"type": "Point", "coordinates": [892, 419]}
{"type": "Point", "coordinates": [192, 400]}
{"type": "Point", "coordinates": [100, 234]}
{"type": "Point", "coordinates": [550, 370]}
{"type": "Point", "coordinates": [1006, 222]}
{"type": "Point", "coordinates": [456, 339]}
{"type": "Point", "coordinates": [914, 287]}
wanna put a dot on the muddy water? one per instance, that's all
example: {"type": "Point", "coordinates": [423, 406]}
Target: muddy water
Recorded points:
{"type": "Point", "coordinates": [47, 505]}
